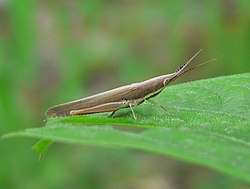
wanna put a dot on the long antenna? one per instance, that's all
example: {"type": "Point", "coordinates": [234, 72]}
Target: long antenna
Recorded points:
{"type": "Point", "coordinates": [181, 68]}
{"type": "Point", "coordinates": [197, 66]}
{"type": "Point", "coordinates": [179, 72]}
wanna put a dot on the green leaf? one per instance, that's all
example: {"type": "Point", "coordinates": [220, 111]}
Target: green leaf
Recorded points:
{"type": "Point", "coordinates": [209, 125]}
{"type": "Point", "coordinates": [42, 146]}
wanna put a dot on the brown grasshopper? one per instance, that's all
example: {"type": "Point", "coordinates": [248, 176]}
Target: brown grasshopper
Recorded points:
{"type": "Point", "coordinates": [122, 97]}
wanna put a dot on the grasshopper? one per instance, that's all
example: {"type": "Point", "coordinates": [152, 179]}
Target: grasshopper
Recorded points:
{"type": "Point", "coordinates": [126, 96]}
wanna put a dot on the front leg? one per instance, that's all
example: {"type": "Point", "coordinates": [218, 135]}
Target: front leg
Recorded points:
{"type": "Point", "coordinates": [159, 105]}
{"type": "Point", "coordinates": [156, 103]}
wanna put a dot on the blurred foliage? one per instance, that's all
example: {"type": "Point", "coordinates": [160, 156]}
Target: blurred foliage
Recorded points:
{"type": "Point", "coordinates": [56, 51]}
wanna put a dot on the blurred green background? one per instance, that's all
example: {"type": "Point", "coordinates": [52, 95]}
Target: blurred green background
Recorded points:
{"type": "Point", "coordinates": [56, 51]}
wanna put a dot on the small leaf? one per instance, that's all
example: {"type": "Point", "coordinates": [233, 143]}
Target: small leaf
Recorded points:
{"type": "Point", "coordinates": [42, 146]}
{"type": "Point", "coordinates": [209, 125]}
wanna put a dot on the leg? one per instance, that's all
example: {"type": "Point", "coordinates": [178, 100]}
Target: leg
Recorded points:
{"type": "Point", "coordinates": [130, 106]}
{"type": "Point", "coordinates": [107, 107]}
{"type": "Point", "coordinates": [111, 115]}
{"type": "Point", "coordinates": [156, 103]}
{"type": "Point", "coordinates": [133, 113]}
{"type": "Point", "coordinates": [159, 105]}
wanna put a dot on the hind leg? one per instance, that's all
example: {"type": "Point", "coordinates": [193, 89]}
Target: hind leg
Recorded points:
{"type": "Point", "coordinates": [107, 107]}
